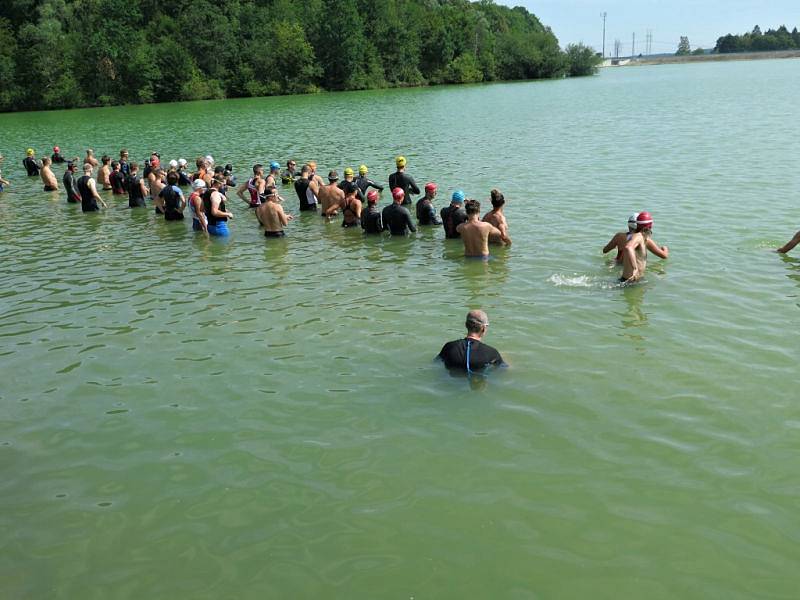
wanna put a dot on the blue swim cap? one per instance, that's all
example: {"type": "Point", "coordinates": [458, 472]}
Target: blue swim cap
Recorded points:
{"type": "Point", "coordinates": [274, 165]}
{"type": "Point", "coordinates": [458, 196]}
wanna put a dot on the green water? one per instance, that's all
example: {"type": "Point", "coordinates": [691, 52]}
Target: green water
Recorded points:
{"type": "Point", "coordinates": [186, 418]}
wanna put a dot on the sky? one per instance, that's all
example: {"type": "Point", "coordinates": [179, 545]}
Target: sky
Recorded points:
{"type": "Point", "coordinates": [702, 21]}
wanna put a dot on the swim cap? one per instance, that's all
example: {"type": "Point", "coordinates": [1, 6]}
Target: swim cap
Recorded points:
{"type": "Point", "coordinates": [363, 170]}
{"type": "Point", "coordinates": [198, 184]}
{"type": "Point", "coordinates": [632, 221]}
{"type": "Point", "coordinates": [348, 172]}
{"type": "Point", "coordinates": [210, 159]}
{"type": "Point", "coordinates": [398, 193]}
{"type": "Point", "coordinates": [155, 162]}
{"type": "Point", "coordinates": [333, 176]}
{"type": "Point", "coordinates": [274, 166]}
{"type": "Point", "coordinates": [30, 152]}
{"type": "Point", "coordinates": [182, 162]}
{"type": "Point", "coordinates": [644, 220]}
{"type": "Point", "coordinates": [173, 163]}
{"type": "Point", "coordinates": [372, 196]}
{"type": "Point", "coordinates": [56, 149]}
{"type": "Point", "coordinates": [458, 196]}
{"type": "Point", "coordinates": [430, 187]}
{"type": "Point", "coordinates": [400, 161]}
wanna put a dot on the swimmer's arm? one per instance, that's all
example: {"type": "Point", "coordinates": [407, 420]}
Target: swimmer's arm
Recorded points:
{"type": "Point", "coordinates": [612, 244]}
{"type": "Point", "coordinates": [96, 195]}
{"type": "Point", "coordinates": [410, 223]}
{"type": "Point", "coordinates": [413, 185]}
{"type": "Point", "coordinates": [240, 192]}
{"type": "Point", "coordinates": [375, 185]}
{"type": "Point", "coordinates": [496, 235]}
{"type": "Point", "coordinates": [790, 244]}
{"type": "Point", "coordinates": [659, 251]}
{"type": "Point", "coordinates": [630, 255]}
{"type": "Point", "coordinates": [282, 216]}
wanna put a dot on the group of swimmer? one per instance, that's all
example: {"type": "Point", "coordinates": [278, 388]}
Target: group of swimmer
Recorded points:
{"type": "Point", "coordinates": [355, 197]}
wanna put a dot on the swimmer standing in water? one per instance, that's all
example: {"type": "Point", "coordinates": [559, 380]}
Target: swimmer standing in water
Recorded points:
{"type": "Point", "coordinates": [470, 353]}
{"type": "Point", "coordinates": [476, 233]}
{"type": "Point", "coordinates": [271, 215]}
{"type": "Point", "coordinates": [496, 216]}
{"type": "Point", "coordinates": [330, 196]}
{"type": "Point", "coordinates": [634, 253]}
{"type": "Point", "coordinates": [48, 178]}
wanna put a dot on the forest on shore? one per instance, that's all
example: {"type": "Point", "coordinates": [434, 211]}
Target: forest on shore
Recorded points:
{"type": "Point", "coordinates": [756, 41]}
{"type": "Point", "coordinates": [76, 53]}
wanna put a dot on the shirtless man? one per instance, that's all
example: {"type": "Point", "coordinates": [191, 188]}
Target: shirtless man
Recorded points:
{"type": "Point", "coordinates": [48, 178]}
{"type": "Point", "coordinates": [351, 205]}
{"type": "Point", "coordinates": [271, 216]}
{"type": "Point", "coordinates": [476, 233]}
{"type": "Point", "coordinates": [90, 159]}
{"type": "Point", "coordinates": [104, 172]}
{"type": "Point", "coordinates": [330, 196]}
{"type": "Point", "coordinates": [634, 254]}
{"type": "Point", "coordinates": [495, 216]}
{"type": "Point", "coordinates": [156, 181]}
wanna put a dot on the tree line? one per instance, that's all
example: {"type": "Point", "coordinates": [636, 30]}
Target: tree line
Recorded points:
{"type": "Point", "coordinates": [74, 53]}
{"type": "Point", "coordinates": [756, 41]}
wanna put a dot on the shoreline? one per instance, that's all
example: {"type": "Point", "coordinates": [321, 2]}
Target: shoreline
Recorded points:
{"type": "Point", "coordinates": [672, 59]}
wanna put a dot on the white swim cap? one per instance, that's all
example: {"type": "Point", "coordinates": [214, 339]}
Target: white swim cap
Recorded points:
{"type": "Point", "coordinates": [198, 184]}
{"type": "Point", "coordinates": [632, 221]}
{"type": "Point", "coordinates": [182, 162]}
{"type": "Point", "coordinates": [173, 163]}
{"type": "Point", "coordinates": [210, 159]}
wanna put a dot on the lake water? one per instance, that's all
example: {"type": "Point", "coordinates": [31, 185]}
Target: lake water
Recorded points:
{"type": "Point", "coordinates": [187, 418]}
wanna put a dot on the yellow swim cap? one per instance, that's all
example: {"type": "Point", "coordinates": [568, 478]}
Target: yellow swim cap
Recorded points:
{"type": "Point", "coordinates": [363, 170]}
{"type": "Point", "coordinates": [348, 172]}
{"type": "Point", "coordinates": [400, 161]}
{"type": "Point", "coordinates": [30, 152]}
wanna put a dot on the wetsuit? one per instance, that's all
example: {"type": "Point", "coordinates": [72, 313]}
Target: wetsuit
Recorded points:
{"type": "Point", "coordinates": [135, 196]}
{"type": "Point", "coordinates": [88, 202]}
{"type": "Point", "coordinates": [216, 225]}
{"type": "Point", "coordinates": [31, 166]}
{"type": "Point", "coordinates": [365, 183]}
{"type": "Point", "coordinates": [57, 158]}
{"type": "Point", "coordinates": [346, 186]}
{"type": "Point", "coordinates": [372, 220]}
{"type": "Point", "coordinates": [274, 234]}
{"type": "Point", "coordinates": [125, 168]}
{"type": "Point", "coordinates": [73, 195]}
{"type": "Point", "coordinates": [404, 181]}
{"type": "Point", "coordinates": [172, 196]}
{"type": "Point", "coordinates": [183, 178]}
{"type": "Point", "coordinates": [117, 180]}
{"type": "Point", "coordinates": [347, 211]}
{"type": "Point", "coordinates": [452, 217]}
{"type": "Point", "coordinates": [308, 201]}
{"type": "Point", "coordinates": [397, 219]}
{"type": "Point", "coordinates": [426, 214]}
{"type": "Point", "coordinates": [454, 354]}
{"type": "Point", "coordinates": [288, 177]}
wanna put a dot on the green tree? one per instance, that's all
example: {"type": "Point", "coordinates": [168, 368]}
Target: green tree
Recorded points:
{"type": "Point", "coordinates": [683, 47]}
{"type": "Point", "coordinates": [698, 52]}
{"type": "Point", "coordinates": [582, 60]}
{"type": "Point", "coordinates": [8, 48]}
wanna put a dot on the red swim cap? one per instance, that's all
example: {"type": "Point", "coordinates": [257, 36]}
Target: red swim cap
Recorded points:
{"type": "Point", "coordinates": [372, 196]}
{"type": "Point", "coordinates": [56, 149]}
{"type": "Point", "coordinates": [398, 193]}
{"type": "Point", "coordinates": [430, 187]}
{"type": "Point", "coordinates": [644, 220]}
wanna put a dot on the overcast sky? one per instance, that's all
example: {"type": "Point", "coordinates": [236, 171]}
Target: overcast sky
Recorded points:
{"type": "Point", "coordinates": [702, 21]}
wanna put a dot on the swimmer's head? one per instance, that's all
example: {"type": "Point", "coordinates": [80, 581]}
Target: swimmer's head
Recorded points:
{"type": "Point", "coordinates": [363, 170]}
{"type": "Point", "coordinates": [87, 167]}
{"type": "Point", "coordinates": [477, 321]}
{"type": "Point", "coordinates": [105, 159]}
{"type": "Point", "coordinates": [274, 166]}
{"type": "Point", "coordinates": [458, 197]}
{"type": "Point", "coordinates": [173, 164]}
{"type": "Point", "coordinates": [172, 178]}
{"type": "Point", "coordinates": [198, 184]}
{"type": "Point", "coordinates": [56, 149]}
{"type": "Point", "coordinates": [472, 207]}
{"type": "Point", "coordinates": [312, 164]}
{"type": "Point", "coordinates": [333, 176]}
{"type": "Point", "coordinates": [30, 152]}
{"type": "Point", "coordinates": [71, 166]}
{"type": "Point", "coordinates": [209, 159]}
{"type": "Point", "coordinates": [400, 161]}
{"type": "Point", "coordinates": [115, 165]}
{"type": "Point", "coordinates": [497, 197]}
{"type": "Point", "coordinates": [46, 160]}
{"type": "Point", "coordinates": [181, 162]}
{"type": "Point", "coordinates": [271, 193]}
{"type": "Point", "coordinates": [644, 221]}
{"type": "Point", "coordinates": [348, 172]}
{"type": "Point", "coordinates": [290, 164]}
{"type": "Point", "coordinates": [349, 188]}
{"type": "Point", "coordinates": [257, 168]}
{"type": "Point", "coordinates": [372, 196]}
{"type": "Point", "coordinates": [632, 221]}
{"type": "Point", "coordinates": [430, 187]}
{"type": "Point", "coordinates": [398, 194]}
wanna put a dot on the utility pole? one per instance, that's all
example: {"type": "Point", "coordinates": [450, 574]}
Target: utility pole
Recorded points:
{"type": "Point", "coordinates": [604, 14]}
{"type": "Point", "coordinates": [617, 45]}
{"type": "Point", "coordinates": [633, 45]}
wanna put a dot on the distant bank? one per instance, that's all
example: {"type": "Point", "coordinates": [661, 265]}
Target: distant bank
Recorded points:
{"type": "Point", "coordinates": [672, 59]}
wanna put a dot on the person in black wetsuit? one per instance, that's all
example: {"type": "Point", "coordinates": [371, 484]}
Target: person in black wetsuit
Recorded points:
{"type": "Point", "coordinates": [396, 217]}
{"type": "Point", "coordinates": [73, 195]}
{"type": "Point", "coordinates": [174, 202]}
{"type": "Point", "coordinates": [117, 179]}
{"type": "Point", "coordinates": [371, 219]}
{"type": "Point", "coordinates": [363, 182]}
{"type": "Point", "coordinates": [404, 181]}
{"type": "Point", "coordinates": [30, 163]}
{"type": "Point", "coordinates": [88, 190]}
{"type": "Point", "coordinates": [348, 179]}
{"type": "Point", "coordinates": [470, 353]}
{"type": "Point", "coordinates": [426, 213]}
{"type": "Point", "coordinates": [454, 215]}
{"type": "Point", "coordinates": [56, 156]}
{"type": "Point", "coordinates": [136, 188]}
{"type": "Point", "coordinates": [123, 163]}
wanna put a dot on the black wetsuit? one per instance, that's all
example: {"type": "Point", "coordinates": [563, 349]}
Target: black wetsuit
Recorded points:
{"type": "Point", "coordinates": [57, 158]}
{"type": "Point", "coordinates": [135, 196]}
{"type": "Point", "coordinates": [88, 202]}
{"type": "Point", "coordinates": [125, 168]}
{"type": "Point", "coordinates": [426, 213]}
{"type": "Point", "coordinates": [365, 183]}
{"type": "Point", "coordinates": [303, 194]}
{"type": "Point", "coordinates": [405, 182]}
{"type": "Point", "coordinates": [345, 186]}
{"type": "Point", "coordinates": [73, 195]}
{"type": "Point", "coordinates": [452, 217]}
{"type": "Point", "coordinates": [397, 219]}
{"type": "Point", "coordinates": [372, 220]}
{"type": "Point", "coordinates": [183, 178]}
{"type": "Point", "coordinates": [347, 210]}
{"type": "Point", "coordinates": [31, 166]}
{"type": "Point", "coordinates": [117, 181]}
{"type": "Point", "coordinates": [172, 203]}
{"type": "Point", "coordinates": [454, 355]}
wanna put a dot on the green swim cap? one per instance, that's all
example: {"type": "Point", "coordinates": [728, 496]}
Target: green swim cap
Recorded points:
{"type": "Point", "coordinates": [363, 170]}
